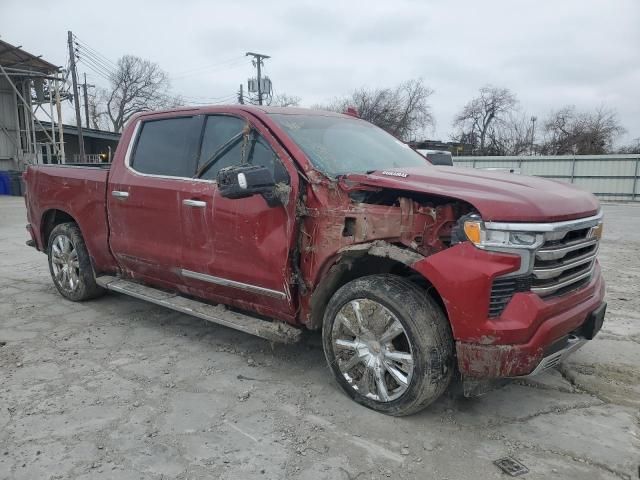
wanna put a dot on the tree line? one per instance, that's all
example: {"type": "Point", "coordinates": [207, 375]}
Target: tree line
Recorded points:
{"type": "Point", "coordinates": [491, 123]}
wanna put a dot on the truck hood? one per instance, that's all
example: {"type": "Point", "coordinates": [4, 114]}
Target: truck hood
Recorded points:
{"type": "Point", "coordinates": [496, 196]}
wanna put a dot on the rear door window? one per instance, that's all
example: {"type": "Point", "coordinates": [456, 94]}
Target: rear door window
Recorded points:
{"type": "Point", "coordinates": [165, 147]}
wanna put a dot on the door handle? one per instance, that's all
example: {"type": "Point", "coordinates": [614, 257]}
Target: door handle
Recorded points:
{"type": "Point", "coordinates": [194, 203]}
{"type": "Point", "coordinates": [120, 195]}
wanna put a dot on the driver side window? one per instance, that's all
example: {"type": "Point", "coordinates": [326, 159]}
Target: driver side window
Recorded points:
{"type": "Point", "coordinates": [227, 143]}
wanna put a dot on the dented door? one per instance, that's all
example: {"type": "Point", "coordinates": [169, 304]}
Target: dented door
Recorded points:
{"type": "Point", "coordinates": [237, 251]}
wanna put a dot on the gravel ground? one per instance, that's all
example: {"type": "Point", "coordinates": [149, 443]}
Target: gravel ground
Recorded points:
{"type": "Point", "coordinates": [117, 388]}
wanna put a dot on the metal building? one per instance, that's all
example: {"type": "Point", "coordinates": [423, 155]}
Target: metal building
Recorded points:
{"type": "Point", "coordinates": [29, 85]}
{"type": "Point", "coordinates": [99, 145]}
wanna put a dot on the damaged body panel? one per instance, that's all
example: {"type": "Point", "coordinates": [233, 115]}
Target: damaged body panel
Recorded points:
{"type": "Point", "coordinates": [284, 253]}
{"type": "Point", "coordinates": [336, 229]}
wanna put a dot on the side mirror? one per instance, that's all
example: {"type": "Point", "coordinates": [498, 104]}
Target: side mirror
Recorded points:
{"type": "Point", "coordinates": [440, 159]}
{"type": "Point", "coordinates": [247, 180]}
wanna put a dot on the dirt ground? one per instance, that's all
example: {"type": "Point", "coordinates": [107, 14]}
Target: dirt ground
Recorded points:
{"type": "Point", "coordinates": [119, 389]}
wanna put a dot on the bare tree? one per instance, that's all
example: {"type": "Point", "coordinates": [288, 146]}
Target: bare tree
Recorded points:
{"type": "Point", "coordinates": [285, 100]}
{"type": "Point", "coordinates": [633, 147]}
{"type": "Point", "coordinates": [402, 111]}
{"type": "Point", "coordinates": [137, 85]}
{"type": "Point", "coordinates": [491, 109]}
{"type": "Point", "coordinates": [512, 136]}
{"type": "Point", "coordinates": [98, 118]}
{"type": "Point", "coordinates": [568, 131]}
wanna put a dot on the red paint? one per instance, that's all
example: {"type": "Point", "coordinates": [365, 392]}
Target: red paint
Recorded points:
{"type": "Point", "coordinates": [80, 193]}
{"type": "Point", "coordinates": [151, 236]}
{"type": "Point", "coordinates": [509, 344]}
{"type": "Point", "coordinates": [497, 196]}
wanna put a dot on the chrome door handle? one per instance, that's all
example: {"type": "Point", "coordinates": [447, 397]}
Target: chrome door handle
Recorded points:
{"type": "Point", "coordinates": [120, 195]}
{"type": "Point", "coordinates": [194, 203]}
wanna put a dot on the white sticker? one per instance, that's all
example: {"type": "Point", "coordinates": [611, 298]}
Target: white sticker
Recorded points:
{"type": "Point", "coordinates": [242, 181]}
{"type": "Point", "coordinates": [395, 174]}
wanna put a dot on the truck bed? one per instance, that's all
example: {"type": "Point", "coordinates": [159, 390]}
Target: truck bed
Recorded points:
{"type": "Point", "coordinates": [77, 190]}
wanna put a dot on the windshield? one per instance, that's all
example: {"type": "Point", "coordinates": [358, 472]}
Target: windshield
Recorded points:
{"type": "Point", "coordinates": [339, 145]}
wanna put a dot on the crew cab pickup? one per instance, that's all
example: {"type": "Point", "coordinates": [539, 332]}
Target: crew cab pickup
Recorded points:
{"type": "Point", "coordinates": [272, 221]}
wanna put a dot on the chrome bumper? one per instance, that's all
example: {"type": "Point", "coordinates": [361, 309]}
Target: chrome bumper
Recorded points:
{"type": "Point", "coordinates": [551, 361]}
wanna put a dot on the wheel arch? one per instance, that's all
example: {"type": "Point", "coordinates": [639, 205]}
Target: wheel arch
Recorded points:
{"type": "Point", "coordinates": [368, 259]}
{"type": "Point", "coordinates": [50, 220]}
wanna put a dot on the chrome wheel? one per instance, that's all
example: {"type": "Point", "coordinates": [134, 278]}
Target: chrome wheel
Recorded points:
{"type": "Point", "coordinates": [64, 263]}
{"type": "Point", "coordinates": [372, 350]}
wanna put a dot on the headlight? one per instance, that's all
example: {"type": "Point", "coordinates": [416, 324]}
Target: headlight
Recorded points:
{"type": "Point", "coordinates": [499, 239]}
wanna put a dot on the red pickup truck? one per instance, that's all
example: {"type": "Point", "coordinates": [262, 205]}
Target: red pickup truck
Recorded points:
{"type": "Point", "coordinates": [272, 221]}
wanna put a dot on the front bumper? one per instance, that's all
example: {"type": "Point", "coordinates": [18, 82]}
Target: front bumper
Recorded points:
{"type": "Point", "coordinates": [560, 350]}
{"type": "Point", "coordinates": [554, 359]}
{"type": "Point", "coordinates": [527, 333]}
{"type": "Point", "coordinates": [556, 338]}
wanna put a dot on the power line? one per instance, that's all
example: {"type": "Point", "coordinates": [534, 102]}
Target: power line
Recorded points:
{"type": "Point", "coordinates": [224, 65]}
{"type": "Point", "coordinates": [206, 72]}
{"type": "Point", "coordinates": [212, 65]}
{"type": "Point", "coordinates": [96, 68]}
{"type": "Point", "coordinates": [94, 51]}
{"type": "Point", "coordinates": [221, 100]}
{"type": "Point", "coordinates": [105, 68]}
{"type": "Point", "coordinates": [96, 60]}
{"type": "Point", "coordinates": [86, 53]}
{"type": "Point", "coordinates": [86, 46]}
{"type": "Point", "coordinates": [94, 63]}
{"type": "Point", "coordinates": [194, 97]}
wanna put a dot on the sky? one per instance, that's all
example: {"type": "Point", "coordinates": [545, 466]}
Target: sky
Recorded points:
{"type": "Point", "coordinates": [550, 53]}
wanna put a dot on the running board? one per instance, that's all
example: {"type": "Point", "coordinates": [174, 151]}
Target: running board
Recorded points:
{"type": "Point", "coordinates": [273, 331]}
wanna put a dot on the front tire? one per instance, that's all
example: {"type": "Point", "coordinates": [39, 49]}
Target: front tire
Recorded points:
{"type": "Point", "coordinates": [70, 265]}
{"type": "Point", "coordinates": [388, 344]}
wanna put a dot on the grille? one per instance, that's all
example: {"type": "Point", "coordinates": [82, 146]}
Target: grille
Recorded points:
{"type": "Point", "coordinates": [564, 262]}
{"type": "Point", "coordinates": [503, 289]}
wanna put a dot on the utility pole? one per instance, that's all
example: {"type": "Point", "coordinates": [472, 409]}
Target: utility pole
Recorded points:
{"type": "Point", "coordinates": [533, 132]}
{"type": "Point", "coordinates": [257, 61]}
{"type": "Point", "coordinates": [241, 95]}
{"type": "Point", "coordinates": [59, 112]}
{"type": "Point", "coordinates": [86, 100]}
{"type": "Point", "coordinates": [76, 94]}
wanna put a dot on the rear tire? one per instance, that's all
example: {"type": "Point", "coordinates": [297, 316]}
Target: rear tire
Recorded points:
{"type": "Point", "coordinates": [388, 344]}
{"type": "Point", "coordinates": [70, 265]}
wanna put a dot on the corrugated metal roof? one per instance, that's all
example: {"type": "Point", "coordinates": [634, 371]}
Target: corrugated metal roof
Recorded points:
{"type": "Point", "coordinates": [14, 57]}
{"type": "Point", "coordinates": [86, 132]}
